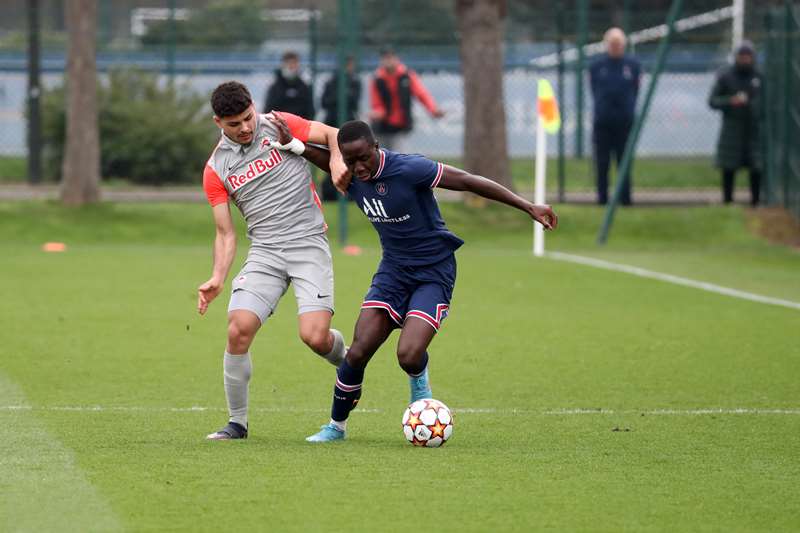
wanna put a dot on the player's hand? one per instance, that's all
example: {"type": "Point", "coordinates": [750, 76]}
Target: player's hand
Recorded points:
{"type": "Point", "coordinates": [340, 174]}
{"type": "Point", "coordinates": [206, 293]}
{"type": "Point", "coordinates": [438, 113]}
{"type": "Point", "coordinates": [284, 134]}
{"type": "Point", "coordinates": [377, 115]}
{"type": "Point", "coordinates": [544, 215]}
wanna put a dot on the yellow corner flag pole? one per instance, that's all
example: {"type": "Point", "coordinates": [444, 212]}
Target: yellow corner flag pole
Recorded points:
{"type": "Point", "coordinates": [548, 121]}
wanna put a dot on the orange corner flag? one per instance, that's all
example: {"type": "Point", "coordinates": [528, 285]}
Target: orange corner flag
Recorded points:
{"type": "Point", "coordinates": [548, 107]}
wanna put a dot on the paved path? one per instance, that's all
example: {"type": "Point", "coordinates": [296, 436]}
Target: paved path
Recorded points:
{"type": "Point", "coordinates": [188, 194]}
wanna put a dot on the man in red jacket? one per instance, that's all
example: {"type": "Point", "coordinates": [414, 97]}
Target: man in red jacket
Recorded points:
{"type": "Point", "coordinates": [390, 99]}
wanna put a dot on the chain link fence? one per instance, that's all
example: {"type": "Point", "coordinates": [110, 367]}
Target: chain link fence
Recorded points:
{"type": "Point", "coordinates": [782, 71]}
{"type": "Point", "coordinates": [202, 43]}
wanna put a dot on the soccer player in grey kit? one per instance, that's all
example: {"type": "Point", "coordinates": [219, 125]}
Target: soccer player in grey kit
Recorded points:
{"type": "Point", "coordinates": [275, 194]}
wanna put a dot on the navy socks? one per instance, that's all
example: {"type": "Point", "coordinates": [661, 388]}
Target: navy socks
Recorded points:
{"type": "Point", "coordinates": [347, 391]}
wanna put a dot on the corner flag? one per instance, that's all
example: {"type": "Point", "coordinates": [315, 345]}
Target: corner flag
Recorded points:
{"type": "Point", "coordinates": [549, 121]}
{"type": "Point", "coordinates": [548, 108]}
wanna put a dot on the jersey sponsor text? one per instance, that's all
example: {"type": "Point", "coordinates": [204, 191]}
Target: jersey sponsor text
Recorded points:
{"type": "Point", "coordinates": [376, 209]}
{"type": "Point", "coordinates": [256, 169]}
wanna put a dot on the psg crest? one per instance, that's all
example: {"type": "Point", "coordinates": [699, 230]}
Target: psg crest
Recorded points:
{"type": "Point", "coordinates": [381, 188]}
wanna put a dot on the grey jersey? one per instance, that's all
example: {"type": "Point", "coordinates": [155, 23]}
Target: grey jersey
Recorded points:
{"type": "Point", "coordinates": [272, 188]}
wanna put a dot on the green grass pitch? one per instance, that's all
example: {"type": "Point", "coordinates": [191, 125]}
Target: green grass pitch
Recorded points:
{"type": "Point", "coordinates": [584, 400]}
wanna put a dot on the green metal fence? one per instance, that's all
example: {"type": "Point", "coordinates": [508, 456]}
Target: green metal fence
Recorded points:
{"type": "Point", "coordinates": [782, 72]}
{"type": "Point", "coordinates": [184, 41]}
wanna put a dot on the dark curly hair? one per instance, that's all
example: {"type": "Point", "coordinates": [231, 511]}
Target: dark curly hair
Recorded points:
{"type": "Point", "coordinates": [230, 98]}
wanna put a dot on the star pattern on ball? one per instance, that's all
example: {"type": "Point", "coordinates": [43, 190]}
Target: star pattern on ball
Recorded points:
{"type": "Point", "coordinates": [437, 430]}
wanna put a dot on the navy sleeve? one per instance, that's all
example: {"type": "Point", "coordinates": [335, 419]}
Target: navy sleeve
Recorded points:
{"type": "Point", "coordinates": [422, 172]}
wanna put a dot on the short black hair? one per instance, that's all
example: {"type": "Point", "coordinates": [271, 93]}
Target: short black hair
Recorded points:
{"type": "Point", "coordinates": [354, 130]}
{"type": "Point", "coordinates": [290, 54]}
{"type": "Point", "coordinates": [230, 98]}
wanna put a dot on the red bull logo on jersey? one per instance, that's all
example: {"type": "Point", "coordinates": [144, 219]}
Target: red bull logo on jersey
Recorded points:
{"type": "Point", "coordinates": [256, 169]}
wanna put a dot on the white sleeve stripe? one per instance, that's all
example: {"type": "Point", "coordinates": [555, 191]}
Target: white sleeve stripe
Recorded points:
{"type": "Point", "coordinates": [438, 178]}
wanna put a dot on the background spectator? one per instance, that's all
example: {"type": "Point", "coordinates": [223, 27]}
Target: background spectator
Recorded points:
{"type": "Point", "coordinates": [288, 91]}
{"type": "Point", "coordinates": [614, 78]}
{"type": "Point", "coordinates": [330, 95]}
{"type": "Point", "coordinates": [737, 93]}
{"type": "Point", "coordinates": [390, 93]}
{"type": "Point", "coordinates": [330, 104]}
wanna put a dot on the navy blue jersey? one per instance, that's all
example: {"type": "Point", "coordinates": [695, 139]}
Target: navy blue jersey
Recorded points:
{"type": "Point", "coordinates": [399, 202]}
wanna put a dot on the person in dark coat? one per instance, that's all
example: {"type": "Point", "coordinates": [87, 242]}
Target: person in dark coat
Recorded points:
{"type": "Point", "coordinates": [330, 104]}
{"type": "Point", "coordinates": [289, 92]}
{"type": "Point", "coordinates": [737, 93]}
{"type": "Point", "coordinates": [330, 95]}
{"type": "Point", "coordinates": [614, 79]}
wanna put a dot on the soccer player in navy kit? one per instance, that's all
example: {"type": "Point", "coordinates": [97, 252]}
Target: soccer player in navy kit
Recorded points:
{"type": "Point", "coordinates": [414, 283]}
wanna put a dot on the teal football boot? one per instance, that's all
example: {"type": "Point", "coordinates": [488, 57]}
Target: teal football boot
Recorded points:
{"type": "Point", "coordinates": [328, 433]}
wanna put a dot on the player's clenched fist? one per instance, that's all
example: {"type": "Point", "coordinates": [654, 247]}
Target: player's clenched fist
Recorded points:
{"type": "Point", "coordinates": [206, 293]}
{"type": "Point", "coordinates": [340, 175]}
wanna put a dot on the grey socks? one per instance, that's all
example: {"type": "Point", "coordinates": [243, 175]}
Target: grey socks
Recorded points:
{"type": "Point", "coordinates": [238, 368]}
{"type": "Point", "coordinates": [236, 373]}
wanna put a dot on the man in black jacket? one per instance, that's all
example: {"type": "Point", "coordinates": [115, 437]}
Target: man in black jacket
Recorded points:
{"type": "Point", "coordinates": [330, 103]}
{"type": "Point", "coordinates": [330, 95]}
{"type": "Point", "coordinates": [289, 92]}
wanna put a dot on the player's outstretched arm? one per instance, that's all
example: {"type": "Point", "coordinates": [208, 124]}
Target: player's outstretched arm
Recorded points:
{"type": "Point", "coordinates": [317, 156]}
{"type": "Point", "coordinates": [456, 179]}
{"type": "Point", "coordinates": [224, 252]}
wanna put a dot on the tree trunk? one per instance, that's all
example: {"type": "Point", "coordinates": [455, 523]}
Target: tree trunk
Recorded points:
{"type": "Point", "coordinates": [480, 23]}
{"type": "Point", "coordinates": [81, 166]}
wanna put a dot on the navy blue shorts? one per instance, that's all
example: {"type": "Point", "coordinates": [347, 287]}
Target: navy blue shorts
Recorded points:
{"type": "Point", "coordinates": [419, 291]}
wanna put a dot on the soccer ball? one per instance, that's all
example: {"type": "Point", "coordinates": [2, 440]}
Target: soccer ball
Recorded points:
{"type": "Point", "coordinates": [427, 423]}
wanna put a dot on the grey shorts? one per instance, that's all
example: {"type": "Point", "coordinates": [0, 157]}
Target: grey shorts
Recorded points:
{"type": "Point", "coordinates": [269, 269]}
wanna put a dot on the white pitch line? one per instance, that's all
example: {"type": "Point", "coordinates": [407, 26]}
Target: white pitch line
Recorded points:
{"type": "Point", "coordinates": [683, 412]}
{"type": "Point", "coordinates": [468, 410]}
{"type": "Point", "coordinates": [669, 278]}
{"type": "Point", "coordinates": [157, 409]}
{"type": "Point", "coordinates": [45, 488]}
